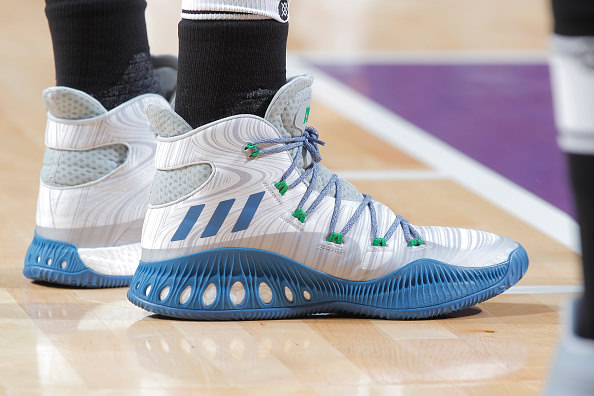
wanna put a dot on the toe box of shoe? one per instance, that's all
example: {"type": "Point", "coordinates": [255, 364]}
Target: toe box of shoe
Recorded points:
{"type": "Point", "coordinates": [464, 247]}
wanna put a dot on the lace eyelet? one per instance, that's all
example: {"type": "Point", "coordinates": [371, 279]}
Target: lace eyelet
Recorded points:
{"type": "Point", "coordinates": [379, 242]}
{"type": "Point", "coordinates": [254, 148]}
{"type": "Point", "coordinates": [282, 187]}
{"type": "Point", "coordinates": [416, 242]}
{"type": "Point", "coordinates": [335, 237]}
{"type": "Point", "coordinates": [300, 215]}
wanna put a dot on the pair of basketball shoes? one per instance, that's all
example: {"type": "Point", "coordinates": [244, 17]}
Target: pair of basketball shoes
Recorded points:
{"type": "Point", "coordinates": [242, 222]}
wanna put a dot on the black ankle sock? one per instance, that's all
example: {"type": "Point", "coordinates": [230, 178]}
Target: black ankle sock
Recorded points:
{"type": "Point", "coordinates": [229, 67]}
{"type": "Point", "coordinates": [574, 17]}
{"type": "Point", "coordinates": [582, 171]}
{"type": "Point", "coordinates": [101, 48]}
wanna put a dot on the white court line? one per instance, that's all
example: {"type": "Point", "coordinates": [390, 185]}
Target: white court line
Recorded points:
{"type": "Point", "coordinates": [438, 155]}
{"type": "Point", "coordinates": [391, 175]}
{"type": "Point", "coordinates": [545, 289]}
{"type": "Point", "coordinates": [424, 57]}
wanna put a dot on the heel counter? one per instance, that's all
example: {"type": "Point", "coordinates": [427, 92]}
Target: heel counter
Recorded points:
{"type": "Point", "coordinates": [105, 206]}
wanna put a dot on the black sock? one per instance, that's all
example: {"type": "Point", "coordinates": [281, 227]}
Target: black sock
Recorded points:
{"type": "Point", "coordinates": [574, 17]}
{"type": "Point", "coordinates": [229, 67]}
{"type": "Point", "coordinates": [101, 48]}
{"type": "Point", "coordinates": [582, 170]}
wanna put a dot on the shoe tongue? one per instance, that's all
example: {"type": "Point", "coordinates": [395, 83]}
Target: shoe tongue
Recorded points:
{"type": "Point", "coordinates": [289, 109]}
{"type": "Point", "coordinates": [289, 113]}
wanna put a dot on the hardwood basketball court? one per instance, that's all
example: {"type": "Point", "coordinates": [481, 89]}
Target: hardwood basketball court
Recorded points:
{"type": "Point", "coordinates": [57, 340]}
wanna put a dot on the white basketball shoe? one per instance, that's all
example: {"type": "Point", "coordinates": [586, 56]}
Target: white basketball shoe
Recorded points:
{"type": "Point", "coordinates": [244, 223]}
{"type": "Point", "coordinates": [93, 193]}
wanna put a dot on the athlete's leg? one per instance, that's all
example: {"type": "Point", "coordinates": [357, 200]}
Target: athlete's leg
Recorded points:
{"type": "Point", "coordinates": [101, 48]}
{"type": "Point", "coordinates": [572, 73]}
{"type": "Point", "coordinates": [572, 67]}
{"type": "Point", "coordinates": [232, 57]}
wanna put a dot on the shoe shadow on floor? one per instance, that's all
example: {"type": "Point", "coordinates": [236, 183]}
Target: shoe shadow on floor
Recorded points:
{"type": "Point", "coordinates": [511, 309]}
{"type": "Point", "coordinates": [472, 311]}
{"type": "Point", "coordinates": [60, 286]}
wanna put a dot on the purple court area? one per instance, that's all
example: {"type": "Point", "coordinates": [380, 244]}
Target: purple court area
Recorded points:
{"type": "Point", "coordinates": [498, 114]}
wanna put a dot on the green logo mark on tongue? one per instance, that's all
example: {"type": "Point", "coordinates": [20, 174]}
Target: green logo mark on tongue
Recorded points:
{"type": "Point", "coordinates": [306, 116]}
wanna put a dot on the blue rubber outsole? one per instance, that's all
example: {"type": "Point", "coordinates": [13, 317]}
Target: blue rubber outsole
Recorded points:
{"type": "Point", "coordinates": [58, 262]}
{"type": "Point", "coordinates": [422, 289]}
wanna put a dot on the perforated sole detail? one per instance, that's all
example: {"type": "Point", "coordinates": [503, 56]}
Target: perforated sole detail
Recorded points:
{"type": "Point", "coordinates": [58, 262]}
{"type": "Point", "coordinates": [422, 289]}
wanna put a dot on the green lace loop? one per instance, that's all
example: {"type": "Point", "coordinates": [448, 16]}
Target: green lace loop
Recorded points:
{"type": "Point", "coordinates": [282, 187]}
{"type": "Point", "coordinates": [300, 215]}
{"type": "Point", "coordinates": [416, 242]}
{"type": "Point", "coordinates": [254, 148]}
{"type": "Point", "coordinates": [379, 242]}
{"type": "Point", "coordinates": [335, 237]}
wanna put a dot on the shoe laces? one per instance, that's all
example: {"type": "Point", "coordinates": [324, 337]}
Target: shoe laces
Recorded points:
{"type": "Point", "coordinates": [309, 142]}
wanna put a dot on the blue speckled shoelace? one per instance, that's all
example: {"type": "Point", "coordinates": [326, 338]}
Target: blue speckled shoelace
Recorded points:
{"type": "Point", "coordinates": [309, 141]}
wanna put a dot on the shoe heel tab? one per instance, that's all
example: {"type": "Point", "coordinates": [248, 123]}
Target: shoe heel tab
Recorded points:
{"type": "Point", "coordinates": [165, 121]}
{"type": "Point", "coordinates": [71, 104]}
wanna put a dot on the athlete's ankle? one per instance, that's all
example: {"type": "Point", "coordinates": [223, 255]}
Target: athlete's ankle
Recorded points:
{"type": "Point", "coordinates": [101, 48]}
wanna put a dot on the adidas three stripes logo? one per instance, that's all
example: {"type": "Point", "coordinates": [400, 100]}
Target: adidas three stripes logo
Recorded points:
{"type": "Point", "coordinates": [218, 217]}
